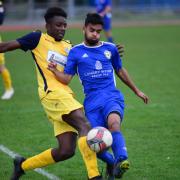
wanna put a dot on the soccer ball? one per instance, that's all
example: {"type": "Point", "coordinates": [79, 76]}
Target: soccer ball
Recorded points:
{"type": "Point", "coordinates": [99, 139]}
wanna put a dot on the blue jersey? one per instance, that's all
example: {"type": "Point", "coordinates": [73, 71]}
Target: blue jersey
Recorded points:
{"type": "Point", "coordinates": [101, 5]}
{"type": "Point", "coordinates": [95, 67]}
{"type": "Point", "coordinates": [1, 13]}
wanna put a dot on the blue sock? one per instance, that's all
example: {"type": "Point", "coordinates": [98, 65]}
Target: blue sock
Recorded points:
{"type": "Point", "coordinates": [119, 147]}
{"type": "Point", "coordinates": [110, 39]}
{"type": "Point", "coordinates": [106, 157]}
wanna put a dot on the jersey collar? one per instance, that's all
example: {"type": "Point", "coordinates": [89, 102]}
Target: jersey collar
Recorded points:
{"type": "Point", "coordinates": [50, 38]}
{"type": "Point", "coordinates": [101, 43]}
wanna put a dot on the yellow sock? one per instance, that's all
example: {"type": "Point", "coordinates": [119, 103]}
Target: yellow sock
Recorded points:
{"type": "Point", "coordinates": [89, 158]}
{"type": "Point", "coordinates": [6, 79]}
{"type": "Point", "coordinates": [40, 160]}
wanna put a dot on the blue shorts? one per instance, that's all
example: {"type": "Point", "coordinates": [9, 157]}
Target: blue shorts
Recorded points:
{"type": "Point", "coordinates": [98, 117]}
{"type": "Point", "coordinates": [107, 22]}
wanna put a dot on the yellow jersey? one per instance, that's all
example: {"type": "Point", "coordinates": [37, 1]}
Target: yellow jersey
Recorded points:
{"type": "Point", "coordinates": [44, 49]}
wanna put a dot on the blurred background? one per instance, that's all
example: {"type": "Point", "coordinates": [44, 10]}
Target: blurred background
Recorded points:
{"type": "Point", "coordinates": [150, 31]}
{"type": "Point", "coordinates": [124, 11]}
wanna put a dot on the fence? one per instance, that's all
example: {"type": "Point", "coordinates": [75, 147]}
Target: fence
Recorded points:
{"type": "Point", "coordinates": [21, 12]}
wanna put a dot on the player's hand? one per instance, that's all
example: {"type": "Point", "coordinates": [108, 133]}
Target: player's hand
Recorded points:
{"type": "Point", "coordinates": [120, 48]}
{"type": "Point", "coordinates": [142, 96]}
{"type": "Point", "coordinates": [101, 14]}
{"type": "Point", "coordinates": [52, 66]}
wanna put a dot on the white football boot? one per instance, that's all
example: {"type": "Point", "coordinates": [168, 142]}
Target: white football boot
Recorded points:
{"type": "Point", "coordinates": [8, 94]}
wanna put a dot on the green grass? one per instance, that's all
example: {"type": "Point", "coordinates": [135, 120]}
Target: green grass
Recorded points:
{"type": "Point", "coordinates": [152, 131]}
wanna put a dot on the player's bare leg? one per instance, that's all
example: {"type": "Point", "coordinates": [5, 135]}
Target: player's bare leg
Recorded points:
{"type": "Point", "coordinates": [65, 150]}
{"type": "Point", "coordinates": [77, 120]}
{"type": "Point", "coordinates": [67, 146]}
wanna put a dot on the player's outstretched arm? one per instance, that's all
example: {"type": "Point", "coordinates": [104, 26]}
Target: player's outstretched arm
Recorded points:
{"type": "Point", "coordinates": [9, 46]}
{"type": "Point", "coordinates": [124, 76]}
{"type": "Point", "coordinates": [60, 76]}
{"type": "Point", "coordinates": [120, 48]}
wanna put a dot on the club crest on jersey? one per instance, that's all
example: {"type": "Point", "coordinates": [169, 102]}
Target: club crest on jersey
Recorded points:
{"type": "Point", "coordinates": [98, 65]}
{"type": "Point", "coordinates": [107, 54]}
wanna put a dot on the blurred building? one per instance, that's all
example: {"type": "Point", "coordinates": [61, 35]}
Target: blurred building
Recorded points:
{"type": "Point", "coordinates": [31, 11]}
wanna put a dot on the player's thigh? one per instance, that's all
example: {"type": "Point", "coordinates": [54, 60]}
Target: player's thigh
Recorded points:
{"type": "Point", "coordinates": [115, 107]}
{"type": "Point", "coordinates": [56, 104]}
{"type": "Point", "coordinates": [77, 120]}
{"type": "Point", "coordinates": [67, 141]}
{"type": "Point", "coordinates": [95, 118]}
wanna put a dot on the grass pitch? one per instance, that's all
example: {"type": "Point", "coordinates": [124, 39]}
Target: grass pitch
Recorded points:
{"type": "Point", "coordinates": [152, 131]}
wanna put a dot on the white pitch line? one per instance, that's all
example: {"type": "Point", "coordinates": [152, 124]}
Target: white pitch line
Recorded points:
{"type": "Point", "coordinates": [38, 170]}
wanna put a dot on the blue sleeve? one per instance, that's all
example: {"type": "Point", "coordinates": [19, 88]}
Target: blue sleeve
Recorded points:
{"type": "Point", "coordinates": [29, 41]}
{"type": "Point", "coordinates": [71, 66]}
{"type": "Point", "coordinates": [108, 3]}
{"type": "Point", "coordinates": [116, 60]}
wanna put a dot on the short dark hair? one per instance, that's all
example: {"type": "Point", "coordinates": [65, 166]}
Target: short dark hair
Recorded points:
{"type": "Point", "coordinates": [54, 11]}
{"type": "Point", "coordinates": [93, 18]}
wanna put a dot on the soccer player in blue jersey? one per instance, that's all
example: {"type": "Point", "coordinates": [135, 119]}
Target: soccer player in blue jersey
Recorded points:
{"type": "Point", "coordinates": [95, 62]}
{"type": "Point", "coordinates": [57, 99]}
{"type": "Point", "coordinates": [104, 9]}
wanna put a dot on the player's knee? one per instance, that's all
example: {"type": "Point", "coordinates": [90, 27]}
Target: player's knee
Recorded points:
{"type": "Point", "coordinates": [114, 122]}
{"type": "Point", "coordinates": [68, 154]}
{"type": "Point", "coordinates": [114, 125]}
{"type": "Point", "coordinates": [2, 68]}
{"type": "Point", "coordinates": [64, 154]}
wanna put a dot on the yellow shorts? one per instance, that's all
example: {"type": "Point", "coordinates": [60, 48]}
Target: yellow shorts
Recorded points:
{"type": "Point", "coordinates": [1, 56]}
{"type": "Point", "coordinates": [56, 104]}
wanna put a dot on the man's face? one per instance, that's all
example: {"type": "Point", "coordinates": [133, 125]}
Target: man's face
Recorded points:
{"type": "Point", "coordinates": [56, 27]}
{"type": "Point", "coordinates": [92, 34]}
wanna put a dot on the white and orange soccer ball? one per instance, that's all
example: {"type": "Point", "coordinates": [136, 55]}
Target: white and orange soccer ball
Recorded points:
{"type": "Point", "coordinates": [99, 139]}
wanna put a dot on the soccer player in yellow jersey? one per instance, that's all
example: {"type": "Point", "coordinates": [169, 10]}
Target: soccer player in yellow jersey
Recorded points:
{"type": "Point", "coordinates": [62, 109]}
{"type": "Point", "coordinates": [9, 91]}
